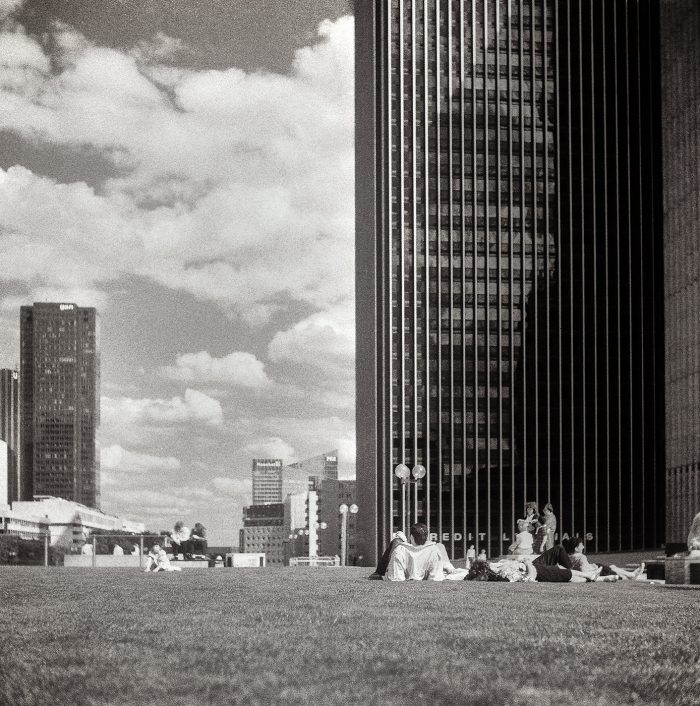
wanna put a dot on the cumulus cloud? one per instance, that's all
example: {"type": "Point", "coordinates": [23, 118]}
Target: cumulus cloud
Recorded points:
{"type": "Point", "coordinates": [259, 162]}
{"type": "Point", "coordinates": [117, 458]}
{"type": "Point", "coordinates": [236, 368]}
{"type": "Point", "coordinates": [193, 408]}
{"type": "Point", "coordinates": [75, 295]}
{"type": "Point", "coordinates": [232, 486]}
{"type": "Point", "coordinates": [269, 447]}
{"type": "Point", "coordinates": [8, 7]}
{"type": "Point", "coordinates": [325, 341]}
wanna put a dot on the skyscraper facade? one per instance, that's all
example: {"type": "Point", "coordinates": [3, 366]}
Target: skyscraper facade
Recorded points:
{"type": "Point", "coordinates": [60, 387]}
{"type": "Point", "coordinates": [267, 480]}
{"type": "Point", "coordinates": [680, 61]}
{"type": "Point", "coordinates": [9, 431]}
{"type": "Point", "coordinates": [509, 242]}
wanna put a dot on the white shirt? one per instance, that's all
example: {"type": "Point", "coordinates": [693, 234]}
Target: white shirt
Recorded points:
{"type": "Point", "coordinates": [424, 563]}
{"type": "Point", "coordinates": [182, 536]}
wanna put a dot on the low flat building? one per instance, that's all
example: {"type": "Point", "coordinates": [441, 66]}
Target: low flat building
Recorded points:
{"type": "Point", "coordinates": [21, 525]}
{"type": "Point", "coordinates": [70, 522]}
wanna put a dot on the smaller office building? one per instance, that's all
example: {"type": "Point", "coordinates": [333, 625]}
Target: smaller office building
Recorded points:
{"type": "Point", "coordinates": [263, 532]}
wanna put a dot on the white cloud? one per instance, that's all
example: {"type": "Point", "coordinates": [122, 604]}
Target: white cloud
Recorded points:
{"type": "Point", "coordinates": [159, 48]}
{"type": "Point", "coordinates": [232, 486]}
{"type": "Point", "coordinates": [7, 7]}
{"type": "Point", "coordinates": [194, 408]}
{"type": "Point", "coordinates": [262, 163]}
{"type": "Point", "coordinates": [75, 295]}
{"type": "Point", "coordinates": [270, 447]}
{"type": "Point", "coordinates": [325, 341]}
{"type": "Point", "coordinates": [236, 368]}
{"type": "Point", "coordinates": [117, 458]}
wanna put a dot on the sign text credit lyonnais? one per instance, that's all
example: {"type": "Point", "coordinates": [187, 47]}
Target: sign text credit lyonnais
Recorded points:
{"type": "Point", "coordinates": [458, 536]}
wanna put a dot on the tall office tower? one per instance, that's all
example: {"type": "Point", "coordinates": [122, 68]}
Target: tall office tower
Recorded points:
{"type": "Point", "coordinates": [267, 480]}
{"type": "Point", "coordinates": [680, 67]}
{"type": "Point", "coordinates": [509, 243]}
{"type": "Point", "coordinates": [60, 411]}
{"type": "Point", "coordinates": [9, 430]}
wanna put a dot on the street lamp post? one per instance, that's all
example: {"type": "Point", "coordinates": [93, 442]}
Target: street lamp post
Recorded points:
{"type": "Point", "coordinates": [317, 526]}
{"type": "Point", "coordinates": [344, 510]}
{"type": "Point", "coordinates": [404, 473]}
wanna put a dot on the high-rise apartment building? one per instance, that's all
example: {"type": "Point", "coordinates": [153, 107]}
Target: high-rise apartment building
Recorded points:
{"type": "Point", "coordinates": [9, 431]}
{"type": "Point", "coordinates": [267, 480]}
{"type": "Point", "coordinates": [680, 65]}
{"type": "Point", "coordinates": [60, 387]}
{"type": "Point", "coordinates": [508, 268]}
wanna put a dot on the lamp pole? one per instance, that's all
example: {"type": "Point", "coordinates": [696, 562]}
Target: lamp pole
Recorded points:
{"type": "Point", "coordinates": [344, 510]}
{"type": "Point", "coordinates": [408, 476]}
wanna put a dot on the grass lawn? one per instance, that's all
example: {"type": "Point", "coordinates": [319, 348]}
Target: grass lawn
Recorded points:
{"type": "Point", "coordinates": [72, 637]}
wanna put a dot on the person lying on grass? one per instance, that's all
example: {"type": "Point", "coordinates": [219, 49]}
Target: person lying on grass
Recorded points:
{"type": "Point", "coordinates": [575, 548]}
{"type": "Point", "coordinates": [157, 560]}
{"type": "Point", "coordinates": [419, 560]}
{"type": "Point", "coordinates": [552, 566]}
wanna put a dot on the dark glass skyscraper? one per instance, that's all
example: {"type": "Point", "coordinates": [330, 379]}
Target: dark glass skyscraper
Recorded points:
{"type": "Point", "coordinates": [509, 250]}
{"type": "Point", "coordinates": [60, 375]}
{"type": "Point", "coordinates": [680, 60]}
{"type": "Point", "coordinates": [9, 429]}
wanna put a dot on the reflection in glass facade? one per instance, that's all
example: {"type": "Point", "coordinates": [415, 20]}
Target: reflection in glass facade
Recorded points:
{"type": "Point", "coordinates": [60, 412]}
{"type": "Point", "coordinates": [508, 252]}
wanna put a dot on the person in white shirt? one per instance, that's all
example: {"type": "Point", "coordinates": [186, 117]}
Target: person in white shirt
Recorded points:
{"type": "Point", "coordinates": [523, 544]}
{"type": "Point", "coordinates": [421, 560]}
{"type": "Point", "coordinates": [117, 551]}
{"type": "Point", "coordinates": [157, 560]}
{"type": "Point", "coordinates": [181, 540]}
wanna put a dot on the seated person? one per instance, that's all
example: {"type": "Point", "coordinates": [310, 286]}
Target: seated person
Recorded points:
{"type": "Point", "coordinates": [522, 546]}
{"type": "Point", "coordinates": [421, 560]}
{"type": "Point", "coordinates": [694, 536]}
{"type": "Point", "coordinates": [552, 566]}
{"type": "Point", "coordinates": [396, 539]}
{"type": "Point", "coordinates": [157, 560]}
{"type": "Point", "coordinates": [198, 539]}
{"type": "Point", "coordinates": [575, 548]}
{"type": "Point", "coordinates": [180, 537]}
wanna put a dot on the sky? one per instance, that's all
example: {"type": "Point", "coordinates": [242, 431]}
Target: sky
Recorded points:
{"type": "Point", "coordinates": [186, 167]}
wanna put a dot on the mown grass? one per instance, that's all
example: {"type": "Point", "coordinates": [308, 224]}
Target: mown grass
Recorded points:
{"type": "Point", "coordinates": [79, 637]}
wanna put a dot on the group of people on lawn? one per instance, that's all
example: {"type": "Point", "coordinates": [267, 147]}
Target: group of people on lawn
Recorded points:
{"type": "Point", "coordinates": [192, 544]}
{"type": "Point", "coordinates": [533, 556]}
